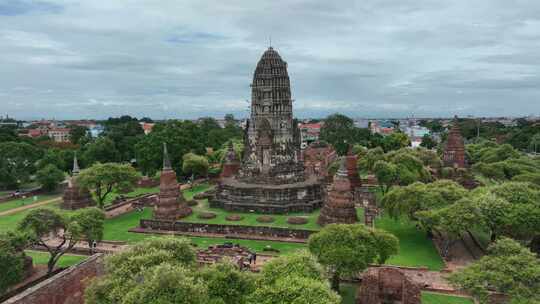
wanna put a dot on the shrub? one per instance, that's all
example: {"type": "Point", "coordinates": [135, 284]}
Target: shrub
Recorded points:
{"type": "Point", "coordinates": [206, 215]}
{"type": "Point", "coordinates": [297, 220]}
{"type": "Point", "coordinates": [265, 219]}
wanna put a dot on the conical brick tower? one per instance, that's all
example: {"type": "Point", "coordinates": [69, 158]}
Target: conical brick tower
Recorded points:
{"type": "Point", "coordinates": [454, 151]}
{"type": "Point", "coordinates": [339, 205]}
{"type": "Point", "coordinates": [352, 170]}
{"type": "Point", "coordinates": [231, 164]}
{"type": "Point", "coordinates": [171, 204]}
{"type": "Point", "coordinates": [74, 196]}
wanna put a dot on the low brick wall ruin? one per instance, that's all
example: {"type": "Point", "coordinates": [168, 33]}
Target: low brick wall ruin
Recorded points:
{"type": "Point", "coordinates": [274, 232]}
{"type": "Point", "coordinates": [128, 205]}
{"type": "Point", "coordinates": [66, 287]}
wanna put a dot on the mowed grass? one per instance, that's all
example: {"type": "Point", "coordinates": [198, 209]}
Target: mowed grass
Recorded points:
{"type": "Point", "coordinates": [116, 229]}
{"type": "Point", "coordinates": [21, 202]}
{"type": "Point", "coordinates": [41, 258]}
{"type": "Point", "coordinates": [415, 249]}
{"type": "Point", "coordinates": [437, 298]}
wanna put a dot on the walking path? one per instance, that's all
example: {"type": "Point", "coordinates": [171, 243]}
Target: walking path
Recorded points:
{"type": "Point", "coordinates": [22, 208]}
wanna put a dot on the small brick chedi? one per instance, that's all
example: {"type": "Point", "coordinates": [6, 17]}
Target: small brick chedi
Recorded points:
{"type": "Point", "coordinates": [339, 205]}
{"type": "Point", "coordinates": [387, 285]}
{"type": "Point", "coordinates": [171, 204]}
{"type": "Point", "coordinates": [454, 151]}
{"type": "Point", "coordinates": [271, 177]}
{"type": "Point", "coordinates": [231, 164]}
{"type": "Point", "coordinates": [74, 196]}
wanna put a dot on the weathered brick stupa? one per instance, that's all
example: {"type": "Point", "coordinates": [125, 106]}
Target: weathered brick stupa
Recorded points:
{"type": "Point", "coordinates": [271, 177]}
{"type": "Point", "coordinates": [74, 196]}
{"type": "Point", "coordinates": [351, 163]}
{"type": "Point", "coordinates": [339, 205]}
{"type": "Point", "coordinates": [454, 151]}
{"type": "Point", "coordinates": [231, 163]}
{"type": "Point", "coordinates": [171, 204]}
{"type": "Point", "coordinates": [387, 285]}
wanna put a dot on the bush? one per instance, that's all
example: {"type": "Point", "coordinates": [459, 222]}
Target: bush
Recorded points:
{"type": "Point", "coordinates": [297, 220]}
{"type": "Point", "coordinates": [192, 203]}
{"type": "Point", "coordinates": [265, 219]}
{"type": "Point", "coordinates": [206, 215]}
{"type": "Point", "coordinates": [234, 217]}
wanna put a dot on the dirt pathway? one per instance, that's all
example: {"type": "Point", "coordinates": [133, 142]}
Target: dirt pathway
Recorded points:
{"type": "Point", "coordinates": [22, 208]}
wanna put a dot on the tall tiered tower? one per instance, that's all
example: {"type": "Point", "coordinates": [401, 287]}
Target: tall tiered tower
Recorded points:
{"type": "Point", "coordinates": [272, 143]}
{"type": "Point", "coordinates": [76, 197]}
{"type": "Point", "coordinates": [271, 178]}
{"type": "Point", "coordinates": [170, 205]}
{"type": "Point", "coordinates": [454, 151]}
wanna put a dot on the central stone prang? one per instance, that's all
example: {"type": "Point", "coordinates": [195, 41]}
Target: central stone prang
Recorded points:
{"type": "Point", "coordinates": [271, 176]}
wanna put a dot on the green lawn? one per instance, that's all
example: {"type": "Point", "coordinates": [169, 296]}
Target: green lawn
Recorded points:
{"type": "Point", "coordinates": [116, 229]}
{"type": "Point", "coordinates": [41, 258]}
{"type": "Point", "coordinates": [10, 222]}
{"type": "Point", "coordinates": [415, 249]}
{"type": "Point", "coordinates": [25, 201]}
{"type": "Point", "coordinates": [437, 298]}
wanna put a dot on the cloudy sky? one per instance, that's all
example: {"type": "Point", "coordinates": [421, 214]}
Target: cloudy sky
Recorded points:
{"type": "Point", "coordinates": [184, 59]}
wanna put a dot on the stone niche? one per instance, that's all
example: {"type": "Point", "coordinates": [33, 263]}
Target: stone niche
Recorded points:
{"type": "Point", "coordinates": [387, 285]}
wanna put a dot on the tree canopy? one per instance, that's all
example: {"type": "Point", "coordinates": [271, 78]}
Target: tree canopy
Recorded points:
{"type": "Point", "coordinates": [348, 249]}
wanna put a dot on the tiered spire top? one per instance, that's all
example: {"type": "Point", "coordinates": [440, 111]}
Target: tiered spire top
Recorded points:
{"type": "Point", "coordinates": [166, 160]}
{"type": "Point", "coordinates": [76, 169]}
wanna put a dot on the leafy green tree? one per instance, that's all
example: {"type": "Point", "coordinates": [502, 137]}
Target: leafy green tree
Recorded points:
{"type": "Point", "coordinates": [395, 141]}
{"type": "Point", "coordinates": [509, 268]}
{"type": "Point", "coordinates": [300, 264]}
{"type": "Point", "coordinates": [294, 289]}
{"type": "Point", "coordinates": [49, 177]}
{"type": "Point", "coordinates": [387, 175]}
{"type": "Point", "coordinates": [194, 164]}
{"type": "Point", "coordinates": [11, 259]}
{"type": "Point", "coordinates": [535, 143]}
{"type": "Point", "coordinates": [339, 131]}
{"type": "Point", "coordinates": [408, 200]}
{"type": "Point", "coordinates": [428, 142]}
{"type": "Point", "coordinates": [134, 268]}
{"type": "Point", "coordinates": [370, 158]}
{"type": "Point", "coordinates": [77, 134]}
{"type": "Point", "coordinates": [51, 157]}
{"type": "Point", "coordinates": [226, 283]}
{"type": "Point", "coordinates": [8, 134]}
{"type": "Point", "coordinates": [166, 283]}
{"type": "Point", "coordinates": [349, 249]}
{"type": "Point", "coordinates": [91, 222]}
{"type": "Point", "coordinates": [41, 223]}
{"type": "Point", "coordinates": [102, 150]}
{"type": "Point", "coordinates": [293, 278]}
{"type": "Point", "coordinates": [17, 163]}
{"type": "Point", "coordinates": [104, 178]}
{"type": "Point", "coordinates": [181, 137]}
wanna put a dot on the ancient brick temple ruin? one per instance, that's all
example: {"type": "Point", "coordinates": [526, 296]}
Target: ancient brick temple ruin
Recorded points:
{"type": "Point", "coordinates": [454, 151]}
{"type": "Point", "coordinates": [387, 285]}
{"type": "Point", "coordinates": [231, 164]}
{"type": "Point", "coordinates": [339, 205]}
{"type": "Point", "coordinates": [171, 204]}
{"type": "Point", "coordinates": [318, 157]}
{"type": "Point", "coordinates": [351, 163]}
{"type": "Point", "coordinates": [74, 196]}
{"type": "Point", "coordinates": [271, 178]}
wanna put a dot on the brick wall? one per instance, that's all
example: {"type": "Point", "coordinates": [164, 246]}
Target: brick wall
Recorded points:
{"type": "Point", "coordinates": [226, 229]}
{"type": "Point", "coordinates": [66, 287]}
